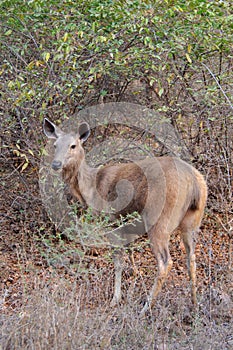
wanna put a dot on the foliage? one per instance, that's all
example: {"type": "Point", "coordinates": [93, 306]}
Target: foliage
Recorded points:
{"type": "Point", "coordinates": [59, 52]}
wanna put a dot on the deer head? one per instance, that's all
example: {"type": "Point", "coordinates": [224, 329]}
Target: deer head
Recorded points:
{"type": "Point", "coordinates": [69, 152]}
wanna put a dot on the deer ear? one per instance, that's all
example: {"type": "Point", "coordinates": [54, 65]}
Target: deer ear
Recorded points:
{"type": "Point", "coordinates": [84, 131]}
{"type": "Point", "coordinates": [50, 129]}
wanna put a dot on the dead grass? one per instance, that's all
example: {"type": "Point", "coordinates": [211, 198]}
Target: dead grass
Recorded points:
{"type": "Point", "coordinates": [59, 314]}
{"type": "Point", "coordinates": [58, 308]}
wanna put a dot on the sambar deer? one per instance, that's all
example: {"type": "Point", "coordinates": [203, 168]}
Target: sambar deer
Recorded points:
{"type": "Point", "coordinates": [168, 193]}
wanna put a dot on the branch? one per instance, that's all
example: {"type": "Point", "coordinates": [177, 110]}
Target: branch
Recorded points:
{"type": "Point", "coordinates": [212, 74]}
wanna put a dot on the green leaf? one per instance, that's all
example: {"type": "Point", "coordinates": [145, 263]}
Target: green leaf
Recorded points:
{"type": "Point", "coordinates": [188, 58]}
{"type": "Point", "coordinates": [47, 56]}
{"type": "Point", "coordinates": [25, 165]}
{"type": "Point", "coordinates": [161, 91]}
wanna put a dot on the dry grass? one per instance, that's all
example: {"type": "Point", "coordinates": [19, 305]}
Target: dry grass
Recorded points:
{"type": "Point", "coordinates": [60, 314]}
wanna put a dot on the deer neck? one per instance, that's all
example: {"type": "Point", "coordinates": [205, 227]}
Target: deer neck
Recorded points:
{"type": "Point", "coordinates": [86, 181]}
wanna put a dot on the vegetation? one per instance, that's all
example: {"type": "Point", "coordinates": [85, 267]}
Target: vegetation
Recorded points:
{"type": "Point", "coordinates": [56, 59]}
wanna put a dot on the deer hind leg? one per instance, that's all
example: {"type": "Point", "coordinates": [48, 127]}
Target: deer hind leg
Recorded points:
{"type": "Point", "coordinates": [188, 239]}
{"type": "Point", "coordinates": [159, 244]}
{"type": "Point", "coordinates": [189, 226]}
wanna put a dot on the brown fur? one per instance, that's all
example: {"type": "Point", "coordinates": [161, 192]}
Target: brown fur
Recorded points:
{"type": "Point", "coordinates": [168, 193]}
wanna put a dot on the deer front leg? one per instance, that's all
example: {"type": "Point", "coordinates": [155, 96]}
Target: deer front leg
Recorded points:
{"type": "Point", "coordinates": [118, 266]}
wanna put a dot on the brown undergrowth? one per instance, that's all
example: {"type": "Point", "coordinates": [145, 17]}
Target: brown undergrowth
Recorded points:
{"type": "Point", "coordinates": [62, 307]}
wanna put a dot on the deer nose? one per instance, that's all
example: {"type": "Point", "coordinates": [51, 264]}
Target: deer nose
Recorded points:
{"type": "Point", "coordinates": [56, 165]}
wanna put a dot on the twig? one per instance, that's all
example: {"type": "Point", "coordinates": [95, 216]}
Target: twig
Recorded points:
{"type": "Point", "coordinates": [215, 79]}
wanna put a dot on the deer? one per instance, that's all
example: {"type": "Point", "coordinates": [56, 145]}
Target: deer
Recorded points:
{"type": "Point", "coordinates": [168, 193]}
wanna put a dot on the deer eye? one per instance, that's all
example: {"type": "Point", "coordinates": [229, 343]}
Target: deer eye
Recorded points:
{"type": "Point", "coordinates": [72, 146]}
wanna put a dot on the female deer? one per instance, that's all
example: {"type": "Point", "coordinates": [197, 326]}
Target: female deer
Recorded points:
{"type": "Point", "coordinates": [168, 193]}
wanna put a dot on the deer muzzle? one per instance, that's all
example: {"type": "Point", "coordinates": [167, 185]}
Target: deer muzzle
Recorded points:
{"type": "Point", "coordinates": [56, 164]}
